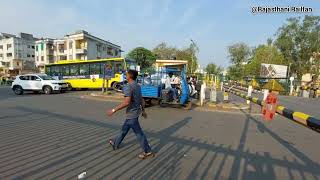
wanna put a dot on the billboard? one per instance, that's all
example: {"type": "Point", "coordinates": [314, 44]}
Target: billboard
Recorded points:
{"type": "Point", "coordinates": [273, 71]}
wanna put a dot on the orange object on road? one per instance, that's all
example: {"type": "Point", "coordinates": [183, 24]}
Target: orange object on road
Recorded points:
{"type": "Point", "coordinates": [269, 107]}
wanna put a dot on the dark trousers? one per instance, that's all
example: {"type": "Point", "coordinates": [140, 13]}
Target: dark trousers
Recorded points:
{"type": "Point", "coordinates": [135, 126]}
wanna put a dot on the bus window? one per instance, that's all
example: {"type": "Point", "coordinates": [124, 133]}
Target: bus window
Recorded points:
{"type": "Point", "coordinates": [55, 70]}
{"type": "Point", "coordinates": [131, 64]}
{"type": "Point", "coordinates": [95, 68]}
{"type": "Point", "coordinates": [74, 70]}
{"type": "Point", "coordinates": [104, 65]}
{"type": "Point", "coordinates": [84, 69]}
{"type": "Point", "coordinates": [47, 70]}
{"type": "Point", "coordinates": [65, 70]}
{"type": "Point", "coordinates": [118, 67]}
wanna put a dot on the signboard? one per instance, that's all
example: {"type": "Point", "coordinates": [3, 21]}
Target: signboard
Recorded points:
{"type": "Point", "coordinates": [108, 72]}
{"type": "Point", "coordinates": [273, 71]}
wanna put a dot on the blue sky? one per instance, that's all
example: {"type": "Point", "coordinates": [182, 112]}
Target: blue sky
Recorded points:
{"type": "Point", "coordinates": [212, 24]}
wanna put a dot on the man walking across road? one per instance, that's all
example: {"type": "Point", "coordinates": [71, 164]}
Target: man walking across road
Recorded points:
{"type": "Point", "coordinates": [135, 106]}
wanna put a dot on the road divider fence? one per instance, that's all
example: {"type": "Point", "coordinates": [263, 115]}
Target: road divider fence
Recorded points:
{"type": "Point", "coordinates": [298, 117]}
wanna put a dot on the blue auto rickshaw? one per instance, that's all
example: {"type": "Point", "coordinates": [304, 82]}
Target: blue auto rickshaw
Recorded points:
{"type": "Point", "coordinates": [153, 88]}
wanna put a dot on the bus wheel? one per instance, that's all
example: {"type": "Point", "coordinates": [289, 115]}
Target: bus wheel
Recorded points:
{"type": "Point", "coordinates": [116, 86]}
{"type": "Point", "coordinates": [70, 88]}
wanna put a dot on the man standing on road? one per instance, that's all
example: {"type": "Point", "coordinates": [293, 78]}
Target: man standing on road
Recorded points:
{"type": "Point", "coordinates": [135, 106]}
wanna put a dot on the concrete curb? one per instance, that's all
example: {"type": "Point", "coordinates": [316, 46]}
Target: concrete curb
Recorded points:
{"type": "Point", "coordinates": [99, 97]}
{"type": "Point", "coordinates": [298, 117]}
{"type": "Point", "coordinates": [227, 106]}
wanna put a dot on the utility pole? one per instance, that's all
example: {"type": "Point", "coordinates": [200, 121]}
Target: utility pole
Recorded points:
{"type": "Point", "coordinates": [192, 54]}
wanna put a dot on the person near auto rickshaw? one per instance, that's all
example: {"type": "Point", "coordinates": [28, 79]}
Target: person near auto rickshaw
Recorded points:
{"type": "Point", "coordinates": [169, 87]}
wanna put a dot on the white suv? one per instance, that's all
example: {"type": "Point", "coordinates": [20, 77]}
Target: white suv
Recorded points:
{"type": "Point", "coordinates": [37, 83]}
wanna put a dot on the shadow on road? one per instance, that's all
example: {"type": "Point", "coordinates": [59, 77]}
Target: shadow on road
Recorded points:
{"type": "Point", "coordinates": [66, 160]}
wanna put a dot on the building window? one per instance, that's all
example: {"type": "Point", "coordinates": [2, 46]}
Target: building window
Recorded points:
{"type": "Point", "coordinates": [70, 44]}
{"type": "Point", "coordinates": [18, 64]}
{"type": "Point", "coordinates": [32, 47]}
{"type": "Point", "coordinates": [109, 51]}
{"type": "Point", "coordinates": [9, 54]}
{"type": "Point", "coordinates": [1, 55]}
{"type": "Point", "coordinates": [32, 55]}
{"type": "Point", "coordinates": [28, 55]}
{"type": "Point", "coordinates": [116, 52]}
{"type": "Point", "coordinates": [42, 58]}
{"type": "Point", "coordinates": [1, 46]}
{"type": "Point", "coordinates": [37, 58]}
{"type": "Point", "coordinates": [98, 47]}
{"type": "Point", "coordinates": [70, 57]}
{"type": "Point", "coordinates": [29, 46]}
{"type": "Point", "coordinates": [36, 48]}
{"type": "Point", "coordinates": [9, 46]}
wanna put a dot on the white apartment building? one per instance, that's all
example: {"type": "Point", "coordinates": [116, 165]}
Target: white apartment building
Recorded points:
{"type": "Point", "coordinates": [16, 53]}
{"type": "Point", "coordinates": [80, 45]}
{"type": "Point", "coordinates": [44, 52]}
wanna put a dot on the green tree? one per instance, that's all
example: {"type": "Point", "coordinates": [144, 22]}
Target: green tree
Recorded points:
{"type": "Point", "coordinates": [298, 39]}
{"type": "Point", "coordinates": [144, 57]}
{"type": "Point", "coordinates": [239, 55]}
{"type": "Point", "coordinates": [163, 51]}
{"type": "Point", "coordinates": [234, 73]}
{"type": "Point", "coordinates": [212, 68]}
{"type": "Point", "coordinates": [263, 54]}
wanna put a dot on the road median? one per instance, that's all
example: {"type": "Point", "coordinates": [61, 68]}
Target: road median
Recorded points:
{"type": "Point", "coordinates": [298, 117]}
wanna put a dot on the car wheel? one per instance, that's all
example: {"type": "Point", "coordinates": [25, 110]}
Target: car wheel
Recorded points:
{"type": "Point", "coordinates": [18, 90]}
{"type": "Point", "coordinates": [47, 90]}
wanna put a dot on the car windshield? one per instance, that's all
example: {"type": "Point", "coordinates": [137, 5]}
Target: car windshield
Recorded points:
{"type": "Point", "coordinates": [46, 77]}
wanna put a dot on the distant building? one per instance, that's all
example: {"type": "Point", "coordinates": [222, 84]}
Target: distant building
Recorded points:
{"type": "Point", "coordinates": [79, 45]}
{"type": "Point", "coordinates": [199, 70]}
{"type": "Point", "coordinates": [16, 53]}
{"type": "Point", "coordinates": [44, 52]}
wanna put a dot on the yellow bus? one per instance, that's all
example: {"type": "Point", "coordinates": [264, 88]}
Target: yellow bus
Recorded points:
{"type": "Point", "coordinates": [86, 74]}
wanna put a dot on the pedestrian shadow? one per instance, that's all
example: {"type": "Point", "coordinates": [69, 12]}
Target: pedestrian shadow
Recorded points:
{"type": "Point", "coordinates": [172, 152]}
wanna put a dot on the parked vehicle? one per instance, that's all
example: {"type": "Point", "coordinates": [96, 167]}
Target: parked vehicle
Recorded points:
{"type": "Point", "coordinates": [37, 83]}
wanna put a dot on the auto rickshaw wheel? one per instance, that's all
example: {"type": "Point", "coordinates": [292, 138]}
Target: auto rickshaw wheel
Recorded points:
{"type": "Point", "coordinates": [188, 105]}
{"type": "Point", "coordinates": [162, 104]}
{"type": "Point", "coordinates": [155, 102]}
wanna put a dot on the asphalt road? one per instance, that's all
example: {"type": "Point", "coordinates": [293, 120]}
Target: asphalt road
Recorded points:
{"type": "Point", "coordinates": [62, 135]}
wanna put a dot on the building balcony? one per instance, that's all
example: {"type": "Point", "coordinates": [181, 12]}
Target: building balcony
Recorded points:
{"type": "Point", "coordinates": [8, 59]}
{"type": "Point", "coordinates": [40, 64]}
{"type": "Point", "coordinates": [50, 52]}
{"type": "Point", "coordinates": [81, 51]}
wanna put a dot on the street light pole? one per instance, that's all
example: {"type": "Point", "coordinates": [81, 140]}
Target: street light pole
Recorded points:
{"type": "Point", "coordinates": [192, 54]}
